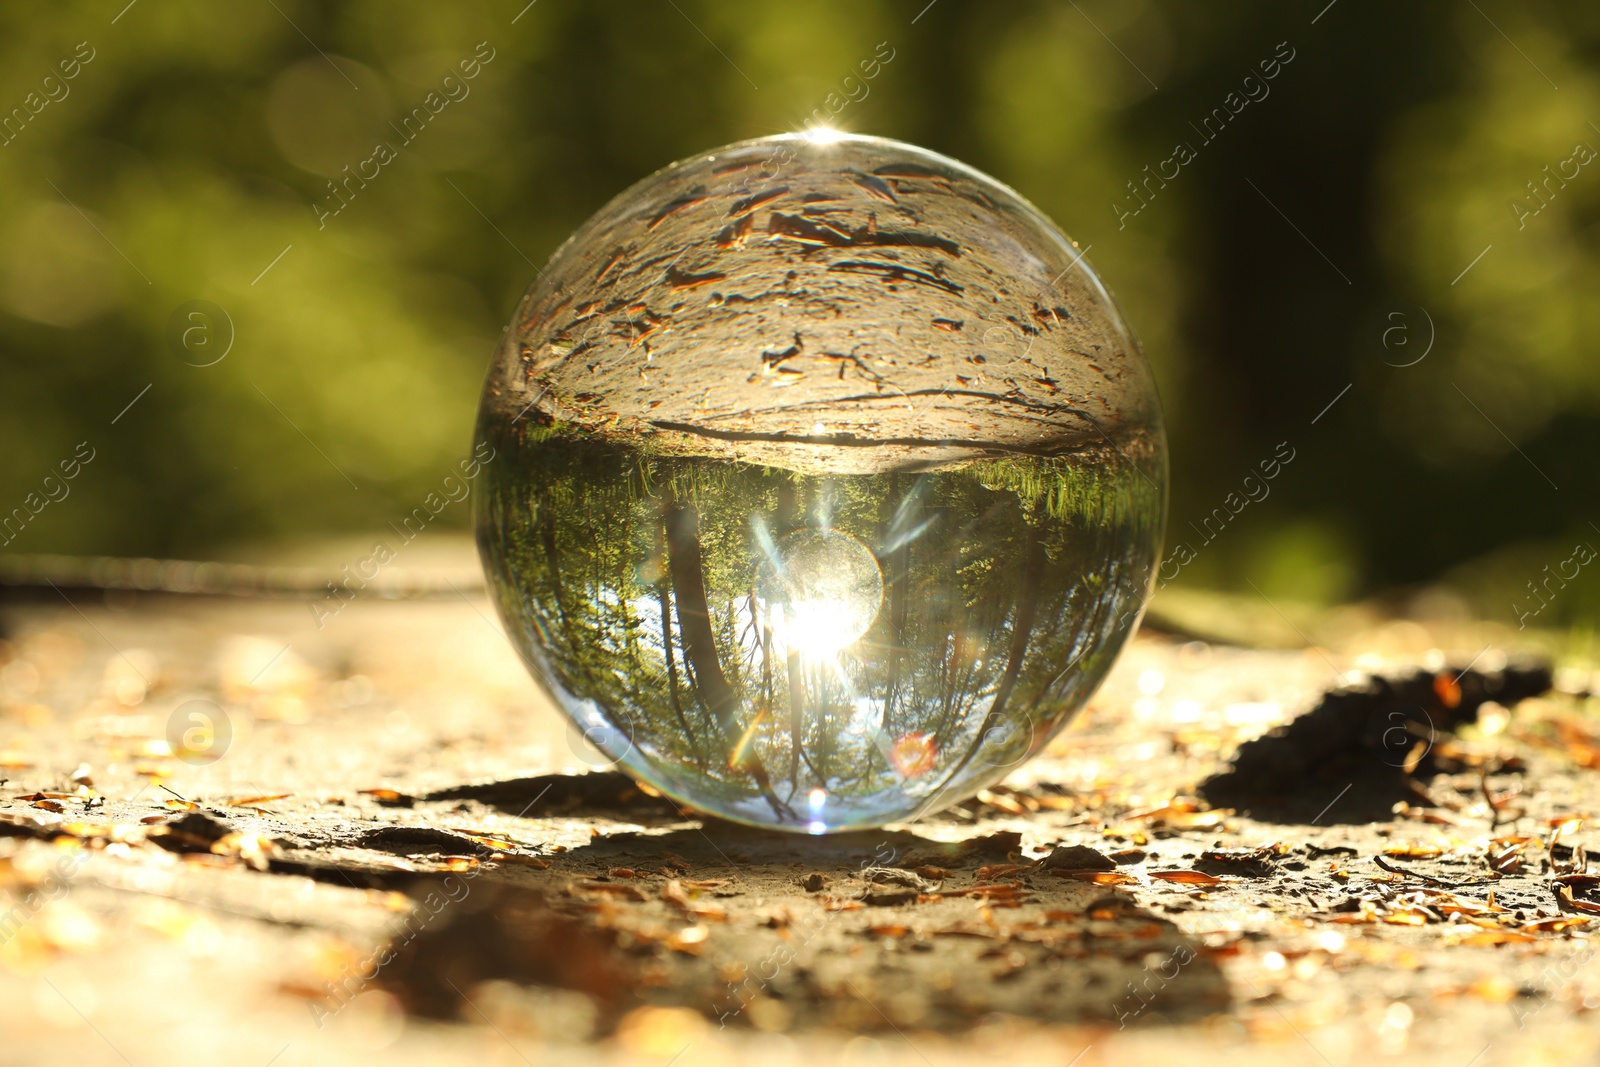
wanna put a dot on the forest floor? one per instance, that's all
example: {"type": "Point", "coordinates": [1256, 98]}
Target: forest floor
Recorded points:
{"type": "Point", "coordinates": [396, 854]}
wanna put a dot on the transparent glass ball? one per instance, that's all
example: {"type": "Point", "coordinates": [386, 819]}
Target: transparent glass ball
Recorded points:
{"type": "Point", "coordinates": [823, 481]}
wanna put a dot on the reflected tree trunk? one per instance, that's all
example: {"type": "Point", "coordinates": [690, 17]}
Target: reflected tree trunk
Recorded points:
{"type": "Point", "coordinates": [665, 600]}
{"type": "Point", "coordinates": [1033, 565]}
{"type": "Point", "coordinates": [687, 566]}
{"type": "Point", "coordinates": [899, 568]}
{"type": "Point", "coordinates": [694, 614]}
{"type": "Point", "coordinates": [797, 720]}
{"type": "Point", "coordinates": [1027, 610]}
{"type": "Point", "coordinates": [552, 555]}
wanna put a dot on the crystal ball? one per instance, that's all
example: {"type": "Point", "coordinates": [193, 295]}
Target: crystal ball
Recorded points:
{"type": "Point", "coordinates": [824, 481]}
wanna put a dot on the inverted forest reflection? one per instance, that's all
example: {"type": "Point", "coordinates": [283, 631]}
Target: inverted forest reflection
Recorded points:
{"type": "Point", "coordinates": [819, 651]}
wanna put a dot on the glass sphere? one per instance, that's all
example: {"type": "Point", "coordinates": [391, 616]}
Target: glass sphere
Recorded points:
{"type": "Point", "coordinates": [823, 481]}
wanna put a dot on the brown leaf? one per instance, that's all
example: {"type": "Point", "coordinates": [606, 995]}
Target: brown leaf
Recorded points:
{"type": "Point", "coordinates": [390, 798]}
{"type": "Point", "coordinates": [1554, 926]}
{"type": "Point", "coordinates": [1182, 814]}
{"type": "Point", "coordinates": [1405, 918]}
{"type": "Point", "coordinates": [891, 931]}
{"type": "Point", "coordinates": [674, 894]}
{"type": "Point", "coordinates": [256, 850]}
{"type": "Point", "coordinates": [966, 930]}
{"type": "Point", "coordinates": [1366, 915]}
{"type": "Point", "coordinates": [497, 844]}
{"type": "Point", "coordinates": [1001, 802]}
{"type": "Point", "coordinates": [1492, 937]}
{"type": "Point", "coordinates": [1006, 891]}
{"type": "Point", "coordinates": [1187, 877]}
{"type": "Point", "coordinates": [1199, 820]}
{"type": "Point", "coordinates": [1564, 893]}
{"type": "Point", "coordinates": [1099, 877]}
{"type": "Point", "coordinates": [611, 889]}
{"type": "Point", "coordinates": [1001, 870]}
{"type": "Point", "coordinates": [1508, 860]}
{"type": "Point", "coordinates": [1578, 881]}
{"type": "Point", "coordinates": [251, 802]}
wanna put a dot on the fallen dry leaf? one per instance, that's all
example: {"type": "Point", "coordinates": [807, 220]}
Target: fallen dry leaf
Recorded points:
{"type": "Point", "coordinates": [251, 802]}
{"type": "Point", "coordinates": [1187, 877]}
{"type": "Point", "coordinates": [391, 798]}
{"type": "Point", "coordinates": [1182, 814]}
{"type": "Point", "coordinates": [1563, 886]}
{"type": "Point", "coordinates": [1405, 917]}
{"type": "Point", "coordinates": [1099, 877]}
{"type": "Point", "coordinates": [497, 844]}
{"type": "Point", "coordinates": [1002, 870]}
{"type": "Point", "coordinates": [1004, 891]}
{"type": "Point", "coordinates": [673, 893]}
{"type": "Point", "coordinates": [1489, 937]}
{"type": "Point", "coordinates": [256, 850]}
{"type": "Point", "coordinates": [1001, 802]}
{"type": "Point", "coordinates": [1554, 926]}
{"type": "Point", "coordinates": [892, 931]}
{"type": "Point", "coordinates": [610, 889]}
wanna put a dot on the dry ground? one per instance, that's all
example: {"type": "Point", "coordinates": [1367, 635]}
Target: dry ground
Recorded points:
{"type": "Point", "coordinates": [394, 858]}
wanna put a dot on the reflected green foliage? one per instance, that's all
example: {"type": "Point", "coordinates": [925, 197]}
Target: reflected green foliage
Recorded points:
{"type": "Point", "coordinates": [649, 593]}
{"type": "Point", "coordinates": [198, 141]}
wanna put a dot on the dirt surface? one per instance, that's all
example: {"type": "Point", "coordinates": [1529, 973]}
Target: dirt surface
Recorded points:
{"type": "Point", "coordinates": [377, 841]}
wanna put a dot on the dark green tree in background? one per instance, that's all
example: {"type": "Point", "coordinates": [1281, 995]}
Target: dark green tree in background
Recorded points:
{"type": "Point", "coordinates": [1430, 161]}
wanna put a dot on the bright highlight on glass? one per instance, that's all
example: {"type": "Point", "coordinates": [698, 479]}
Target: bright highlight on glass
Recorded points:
{"type": "Point", "coordinates": [818, 591]}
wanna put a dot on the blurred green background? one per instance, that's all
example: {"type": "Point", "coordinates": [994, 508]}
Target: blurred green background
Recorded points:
{"type": "Point", "coordinates": [187, 151]}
